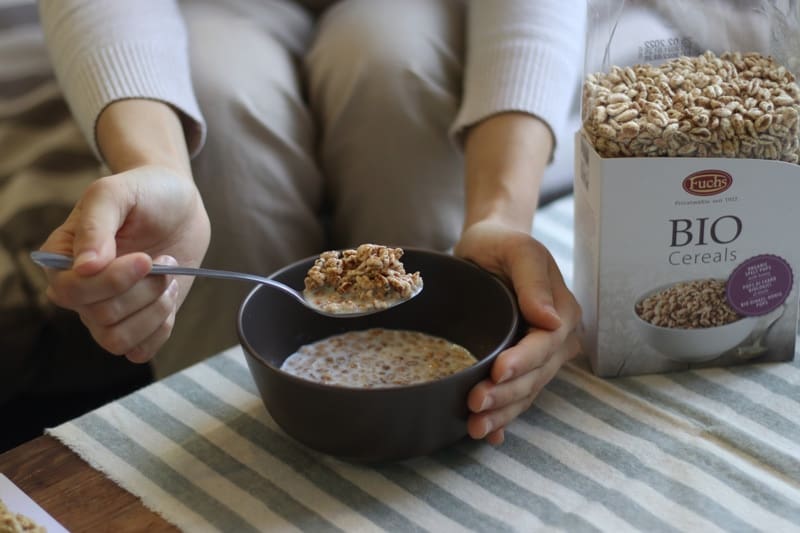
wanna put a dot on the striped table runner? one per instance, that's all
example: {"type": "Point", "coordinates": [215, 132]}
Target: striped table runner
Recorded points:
{"type": "Point", "coordinates": [705, 450]}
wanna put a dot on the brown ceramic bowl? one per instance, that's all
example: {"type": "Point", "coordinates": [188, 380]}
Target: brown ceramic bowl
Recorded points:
{"type": "Point", "coordinates": [459, 302]}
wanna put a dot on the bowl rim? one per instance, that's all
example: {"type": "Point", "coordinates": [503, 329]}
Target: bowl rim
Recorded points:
{"type": "Point", "coordinates": [665, 328]}
{"type": "Point", "coordinates": [488, 359]}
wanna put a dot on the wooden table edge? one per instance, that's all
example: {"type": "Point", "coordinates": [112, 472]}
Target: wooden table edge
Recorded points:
{"type": "Point", "coordinates": [76, 495]}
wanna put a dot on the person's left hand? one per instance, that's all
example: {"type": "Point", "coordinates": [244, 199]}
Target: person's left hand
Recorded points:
{"type": "Point", "coordinates": [553, 316]}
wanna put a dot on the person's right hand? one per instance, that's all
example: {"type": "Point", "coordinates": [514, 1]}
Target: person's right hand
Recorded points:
{"type": "Point", "coordinates": [119, 227]}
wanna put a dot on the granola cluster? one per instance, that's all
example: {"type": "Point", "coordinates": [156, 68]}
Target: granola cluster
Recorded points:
{"type": "Point", "coordinates": [370, 276]}
{"type": "Point", "coordinates": [16, 523]}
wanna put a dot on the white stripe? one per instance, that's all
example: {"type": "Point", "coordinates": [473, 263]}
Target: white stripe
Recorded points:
{"type": "Point", "coordinates": [255, 457]}
{"type": "Point", "coordinates": [238, 500]}
{"type": "Point", "coordinates": [573, 456]}
{"type": "Point", "coordinates": [549, 230]}
{"type": "Point", "coordinates": [399, 499]}
{"type": "Point", "coordinates": [374, 484]}
{"type": "Point", "coordinates": [129, 478]}
{"type": "Point", "coordinates": [666, 422]}
{"type": "Point", "coordinates": [721, 411]}
{"type": "Point", "coordinates": [671, 467]}
{"type": "Point", "coordinates": [562, 497]}
{"type": "Point", "coordinates": [565, 206]}
{"type": "Point", "coordinates": [786, 407]}
{"type": "Point", "coordinates": [235, 354]}
{"type": "Point", "coordinates": [475, 496]}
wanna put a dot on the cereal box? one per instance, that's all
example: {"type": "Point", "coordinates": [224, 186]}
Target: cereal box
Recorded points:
{"type": "Point", "coordinates": [687, 204]}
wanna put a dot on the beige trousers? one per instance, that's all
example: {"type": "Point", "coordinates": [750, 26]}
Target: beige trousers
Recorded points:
{"type": "Point", "coordinates": [327, 128]}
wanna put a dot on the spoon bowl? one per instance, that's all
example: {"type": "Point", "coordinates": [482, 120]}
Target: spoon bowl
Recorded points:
{"type": "Point", "coordinates": [64, 262]}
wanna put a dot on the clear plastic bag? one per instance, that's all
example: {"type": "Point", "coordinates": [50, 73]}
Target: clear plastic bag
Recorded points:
{"type": "Point", "coordinates": [711, 78]}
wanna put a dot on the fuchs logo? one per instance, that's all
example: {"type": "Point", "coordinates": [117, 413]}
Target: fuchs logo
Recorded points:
{"type": "Point", "coordinates": [707, 182]}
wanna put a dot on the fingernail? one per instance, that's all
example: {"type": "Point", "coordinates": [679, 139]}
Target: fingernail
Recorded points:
{"type": "Point", "coordinates": [167, 260]}
{"type": "Point", "coordinates": [84, 257]}
{"type": "Point", "coordinates": [487, 427]}
{"type": "Point", "coordinates": [487, 403]}
{"type": "Point", "coordinates": [506, 375]}
{"type": "Point", "coordinates": [550, 310]}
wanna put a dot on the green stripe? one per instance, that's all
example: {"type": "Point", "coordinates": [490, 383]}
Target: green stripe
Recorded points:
{"type": "Point", "coordinates": [163, 475]}
{"type": "Point", "coordinates": [445, 502]}
{"type": "Point", "coordinates": [226, 466]}
{"type": "Point", "coordinates": [711, 464]}
{"type": "Point", "coordinates": [534, 457]}
{"type": "Point", "coordinates": [743, 405]}
{"type": "Point", "coordinates": [549, 513]}
{"type": "Point", "coordinates": [767, 455]}
{"type": "Point", "coordinates": [630, 464]}
{"type": "Point", "coordinates": [285, 449]}
{"type": "Point", "coordinates": [773, 383]}
{"type": "Point", "coordinates": [633, 468]}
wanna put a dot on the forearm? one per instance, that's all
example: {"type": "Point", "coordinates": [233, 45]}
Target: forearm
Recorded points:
{"type": "Point", "coordinates": [134, 133]}
{"type": "Point", "coordinates": [506, 155]}
{"type": "Point", "coordinates": [105, 51]}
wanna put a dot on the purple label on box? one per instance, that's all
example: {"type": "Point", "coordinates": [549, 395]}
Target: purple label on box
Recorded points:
{"type": "Point", "coordinates": [759, 285]}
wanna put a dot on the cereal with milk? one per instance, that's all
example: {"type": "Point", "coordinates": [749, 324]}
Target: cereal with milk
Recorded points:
{"type": "Point", "coordinates": [366, 278]}
{"type": "Point", "coordinates": [378, 357]}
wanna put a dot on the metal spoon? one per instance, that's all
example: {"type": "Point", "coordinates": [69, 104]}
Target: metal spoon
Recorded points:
{"type": "Point", "coordinates": [64, 262]}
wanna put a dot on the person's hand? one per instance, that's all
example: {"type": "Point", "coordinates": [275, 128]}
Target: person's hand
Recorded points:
{"type": "Point", "coordinates": [520, 372]}
{"type": "Point", "coordinates": [119, 227]}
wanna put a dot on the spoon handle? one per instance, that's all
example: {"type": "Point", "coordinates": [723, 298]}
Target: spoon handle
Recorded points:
{"type": "Point", "coordinates": [210, 273]}
{"type": "Point", "coordinates": [64, 262]}
{"type": "Point", "coordinates": [51, 260]}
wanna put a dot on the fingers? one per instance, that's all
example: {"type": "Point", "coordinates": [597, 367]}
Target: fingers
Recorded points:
{"type": "Point", "coordinates": [72, 290]}
{"type": "Point", "coordinates": [140, 334]}
{"type": "Point", "coordinates": [546, 303]}
{"type": "Point", "coordinates": [532, 277]}
{"type": "Point", "coordinates": [495, 405]}
{"type": "Point", "coordinates": [148, 348]}
{"type": "Point", "coordinates": [96, 219]}
{"type": "Point", "coordinates": [568, 308]}
{"type": "Point", "coordinates": [127, 311]}
{"type": "Point", "coordinates": [497, 437]}
{"type": "Point", "coordinates": [530, 353]}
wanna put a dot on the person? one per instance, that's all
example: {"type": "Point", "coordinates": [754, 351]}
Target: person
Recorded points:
{"type": "Point", "coordinates": [323, 125]}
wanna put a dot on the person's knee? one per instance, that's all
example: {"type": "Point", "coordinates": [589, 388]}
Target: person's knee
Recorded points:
{"type": "Point", "coordinates": [238, 68]}
{"type": "Point", "coordinates": [381, 54]}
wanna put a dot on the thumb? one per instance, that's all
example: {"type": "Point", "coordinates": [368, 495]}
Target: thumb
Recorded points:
{"type": "Point", "coordinates": [533, 284]}
{"type": "Point", "coordinates": [98, 217]}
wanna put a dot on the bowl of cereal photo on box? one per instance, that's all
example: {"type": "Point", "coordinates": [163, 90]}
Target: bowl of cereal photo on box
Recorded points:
{"type": "Point", "coordinates": [385, 386]}
{"type": "Point", "coordinates": [690, 321]}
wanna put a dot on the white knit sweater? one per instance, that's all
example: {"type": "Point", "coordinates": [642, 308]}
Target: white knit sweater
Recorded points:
{"type": "Point", "coordinates": [522, 55]}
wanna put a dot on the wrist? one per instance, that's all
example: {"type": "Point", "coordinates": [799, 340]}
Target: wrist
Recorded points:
{"type": "Point", "coordinates": [137, 133]}
{"type": "Point", "coordinates": [506, 155]}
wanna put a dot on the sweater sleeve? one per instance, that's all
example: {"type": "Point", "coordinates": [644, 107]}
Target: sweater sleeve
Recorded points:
{"type": "Point", "coordinates": [522, 55]}
{"type": "Point", "coordinates": [108, 50]}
